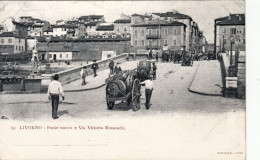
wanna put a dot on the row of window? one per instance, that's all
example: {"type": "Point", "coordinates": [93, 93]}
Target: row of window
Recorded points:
{"type": "Point", "coordinates": [142, 42]}
{"type": "Point", "coordinates": [20, 48]}
{"type": "Point", "coordinates": [118, 29]}
{"type": "Point", "coordinates": [165, 31]}
{"type": "Point", "coordinates": [238, 40]}
{"type": "Point", "coordinates": [50, 55]}
{"type": "Point", "coordinates": [234, 31]}
{"type": "Point", "coordinates": [9, 40]}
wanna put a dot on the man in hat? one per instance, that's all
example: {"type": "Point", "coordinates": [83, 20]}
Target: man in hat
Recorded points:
{"type": "Point", "coordinates": [149, 86]}
{"type": "Point", "coordinates": [83, 74]}
{"type": "Point", "coordinates": [111, 66]}
{"type": "Point", "coordinates": [95, 67]}
{"type": "Point", "coordinates": [54, 91]}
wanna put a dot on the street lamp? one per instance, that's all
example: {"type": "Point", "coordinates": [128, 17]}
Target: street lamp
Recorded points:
{"type": "Point", "coordinates": [232, 41]}
{"type": "Point", "coordinates": [125, 40]}
{"type": "Point", "coordinates": [48, 66]}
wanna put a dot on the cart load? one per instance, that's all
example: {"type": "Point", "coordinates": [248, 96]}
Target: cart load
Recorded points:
{"type": "Point", "coordinates": [144, 70]}
{"type": "Point", "coordinates": [124, 86]}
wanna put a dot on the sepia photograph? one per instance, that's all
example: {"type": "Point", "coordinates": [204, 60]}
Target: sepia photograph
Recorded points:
{"type": "Point", "coordinates": [133, 80]}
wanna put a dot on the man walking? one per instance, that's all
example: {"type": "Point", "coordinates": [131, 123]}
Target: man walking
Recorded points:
{"type": "Point", "coordinates": [95, 67]}
{"type": "Point", "coordinates": [150, 55]}
{"type": "Point", "coordinates": [111, 66]}
{"type": "Point", "coordinates": [157, 56]}
{"type": "Point", "coordinates": [83, 74]}
{"type": "Point", "coordinates": [154, 70]}
{"type": "Point", "coordinates": [54, 91]}
{"type": "Point", "coordinates": [149, 86]}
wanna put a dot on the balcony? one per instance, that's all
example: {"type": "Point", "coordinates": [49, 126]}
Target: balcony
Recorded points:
{"type": "Point", "coordinates": [153, 36]}
{"type": "Point", "coordinates": [148, 47]}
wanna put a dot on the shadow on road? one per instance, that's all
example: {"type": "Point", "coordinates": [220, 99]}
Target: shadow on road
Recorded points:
{"type": "Point", "coordinates": [122, 106]}
{"type": "Point", "coordinates": [61, 113]}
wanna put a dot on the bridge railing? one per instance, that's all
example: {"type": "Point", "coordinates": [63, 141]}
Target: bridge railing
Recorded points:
{"type": "Point", "coordinates": [70, 75]}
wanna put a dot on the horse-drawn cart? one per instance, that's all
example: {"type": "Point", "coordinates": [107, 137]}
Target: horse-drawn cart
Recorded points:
{"type": "Point", "coordinates": [124, 86]}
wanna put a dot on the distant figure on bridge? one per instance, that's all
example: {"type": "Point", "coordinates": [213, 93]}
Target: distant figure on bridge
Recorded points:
{"type": "Point", "coordinates": [157, 56]}
{"type": "Point", "coordinates": [95, 67]}
{"type": "Point", "coordinates": [111, 67]}
{"type": "Point", "coordinates": [83, 74]}
{"type": "Point", "coordinates": [117, 68]}
{"type": "Point", "coordinates": [149, 86]}
{"type": "Point", "coordinates": [154, 70]}
{"type": "Point", "coordinates": [150, 54]}
{"type": "Point", "coordinates": [54, 91]}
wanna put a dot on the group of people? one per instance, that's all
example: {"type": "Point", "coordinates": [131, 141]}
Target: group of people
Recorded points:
{"type": "Point", "coordinates": [84, 72]}
{"type": "Point", "coordinates": [151, 56]}
{"type": "Point", "coordinates": [114, 69]}
{"type": "Point", "coordinates": [55, 89]}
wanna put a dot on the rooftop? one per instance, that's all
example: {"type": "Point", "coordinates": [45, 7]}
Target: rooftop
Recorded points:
{"type": "Point", "coordinates": [157, 22]}
{"type": "Point", "coordinates": [139, 15]}
{"type": "Point", "coordinates": [91, 17]}
{"type": "Point", "coordinates": [105, 28]}
{"type": "Point", "coordinates": [10, 34]}
{"type": "Point", "coordinates": [232, 19]}
{"type": "Point", "coordinates": [176, 15]}
{"type": "Point", "coordinates": [122, 21]}
{"type": "Point", "coordinates": [92, 23]}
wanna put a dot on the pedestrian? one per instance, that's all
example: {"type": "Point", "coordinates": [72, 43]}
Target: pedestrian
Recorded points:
{"type": "Point", "coordinates": [117, 68]}
{"type": "Point", "coordinates": [150, 54]}
{"type": "Point", "coordinates": [157, 56]}
{"type": "Point", "coordinates": [154, 70]}
{"type": "Point", "coordinates": [111, 67]}
{"type": "Point", "coordinates": [95, 67]}
{"type": "Point", "coordinates": [209, 56]}
{"type": "Point", "coordinates": [54, 91]}
{"type": "Point", "coordinates": [149, 86]}
{"type": "Point", "coordinates": [83, 74]}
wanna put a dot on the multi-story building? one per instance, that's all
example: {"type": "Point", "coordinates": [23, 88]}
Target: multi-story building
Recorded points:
{"type": "Point", "coordinates": [10, 25]}
{"type": "Point", "coordinates": [81, 31]}
{"type": "Point", "coordinates": [122, 26]}
{"type": "Point", "coordinates": [192, 30]}
{"type": "Point", "coordinates": [91, 28]}
{"type": "Point", "coordinates": [157, 34]}
{"type": "Point", "coordinates": [59, 30]}
{"type": "Point", "coordinates": [12, 43]}
{"type": "Point", "coordinates": [229, 29]}
{"type": "Point", "coordinates": [71, 31]}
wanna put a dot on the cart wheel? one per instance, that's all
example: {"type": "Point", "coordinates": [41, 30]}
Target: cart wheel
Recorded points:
{"type": "Point", "coordinates": [136, 95]}
{"type": "Point", "coordinates": [110, 104]}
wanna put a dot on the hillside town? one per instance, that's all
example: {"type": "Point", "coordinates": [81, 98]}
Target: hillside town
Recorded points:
{"type": "Point", "coordinates": [26, 37]}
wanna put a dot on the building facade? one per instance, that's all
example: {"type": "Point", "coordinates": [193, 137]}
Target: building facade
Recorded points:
{"type": "Point", "coordinates": [12, 43]}
{"type": "Point", "coordinates": [229, 29]}
{"type": "Point", "coordinates": [122, 26]}
{"type": "Point", "coordinates": [193, 34]}
{"type": "Point", "coordinates": [158, 35]}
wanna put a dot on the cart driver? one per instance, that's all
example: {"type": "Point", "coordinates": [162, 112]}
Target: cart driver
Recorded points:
{"type": "Point", "coordinates": [149, 86]}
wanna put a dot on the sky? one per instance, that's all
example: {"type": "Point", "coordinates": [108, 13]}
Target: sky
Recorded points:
{"type": "Point", "coordinates": [203, 12]}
